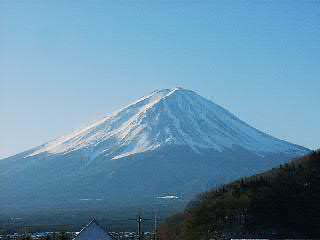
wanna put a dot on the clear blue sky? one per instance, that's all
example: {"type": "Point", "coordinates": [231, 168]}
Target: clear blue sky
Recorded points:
{"type": "Point", "coordinates": [64, 64]}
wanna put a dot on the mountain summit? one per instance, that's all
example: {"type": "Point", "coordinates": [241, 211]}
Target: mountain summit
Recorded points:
{"type": "Point", "coordinates": [166, 117]}
{"type": "Point", "coordinates": [164, 148]}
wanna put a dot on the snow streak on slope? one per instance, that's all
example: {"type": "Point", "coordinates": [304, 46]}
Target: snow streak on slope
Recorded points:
{"type": "Point", "coordinates": [166, 117]}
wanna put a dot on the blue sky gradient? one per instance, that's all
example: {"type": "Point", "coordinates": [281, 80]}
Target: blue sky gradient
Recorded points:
{"type": "Point", "coordinates": [64, 64]}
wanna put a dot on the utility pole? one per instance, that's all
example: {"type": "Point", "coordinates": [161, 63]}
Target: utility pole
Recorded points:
{"type": "Point", "coordinates": [155, 226]}
{"type": "Point", "coordinates": [140, 220]}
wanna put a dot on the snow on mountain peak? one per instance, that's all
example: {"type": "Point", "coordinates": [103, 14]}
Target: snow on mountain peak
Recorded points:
{"type": "Point", "coordinates": [174, 116]}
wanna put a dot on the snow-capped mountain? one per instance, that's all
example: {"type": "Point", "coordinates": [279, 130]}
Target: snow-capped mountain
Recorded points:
{"type": "Point", "coordinates": [171, 142]}
{"type": "Point", "coordinates": [166, 117]}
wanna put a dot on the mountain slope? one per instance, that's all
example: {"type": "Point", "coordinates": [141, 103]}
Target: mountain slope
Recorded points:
{"type": "Point", "coordinates": [166, 117]}
{"type": "Point", "coordinates": [171, 142]}
{"type": "Point", "coordinates": [280, 203]}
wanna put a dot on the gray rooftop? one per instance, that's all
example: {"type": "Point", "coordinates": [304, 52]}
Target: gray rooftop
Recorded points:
{"type": "Point", "coordinates": [93, 231]}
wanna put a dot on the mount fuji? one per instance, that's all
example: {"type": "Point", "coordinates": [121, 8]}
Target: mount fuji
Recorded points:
{"type": "Point", "coordinates": [170, 144]}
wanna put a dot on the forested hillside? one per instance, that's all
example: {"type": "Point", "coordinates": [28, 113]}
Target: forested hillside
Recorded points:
{"type": "Point", "coordinates": [283, 202]}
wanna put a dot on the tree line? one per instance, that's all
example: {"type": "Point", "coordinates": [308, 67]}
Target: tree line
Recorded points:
{"type": "Point", "coordinates": [283, 202]}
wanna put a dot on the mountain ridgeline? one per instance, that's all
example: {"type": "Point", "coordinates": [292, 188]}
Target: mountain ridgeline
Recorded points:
{"type": "Point", "coordinates": [172, 142]}
{"type": "Point", "coordinates": [280, 203]}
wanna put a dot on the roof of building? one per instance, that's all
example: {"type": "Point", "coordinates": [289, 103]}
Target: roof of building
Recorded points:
{"type": "Point", "coordinates": [93, 231]}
